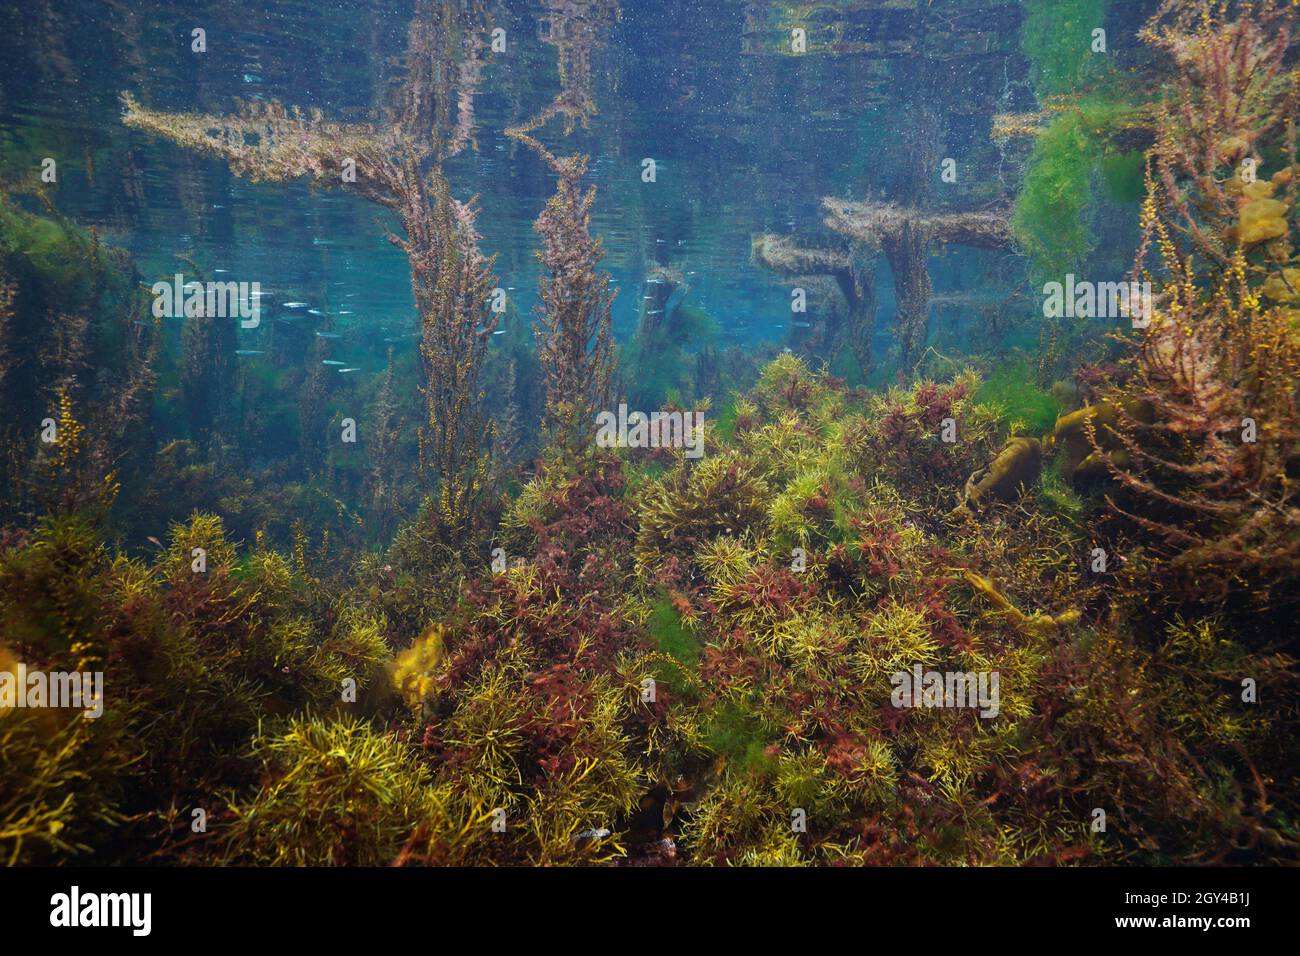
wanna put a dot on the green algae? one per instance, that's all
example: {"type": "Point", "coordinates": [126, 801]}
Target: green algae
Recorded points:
{"type": "Point", "coordinates": [671, 635]}
{"type": "Point", "coordinates": [1057, 36]}
{"type": "Point", "coordinates": [739, 738]}
{"type": "Point", "coordinates": [1025, 407]}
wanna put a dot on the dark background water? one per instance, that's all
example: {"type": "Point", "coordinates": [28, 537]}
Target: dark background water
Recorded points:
{"type": "Point", "coordinates": [746, 138]}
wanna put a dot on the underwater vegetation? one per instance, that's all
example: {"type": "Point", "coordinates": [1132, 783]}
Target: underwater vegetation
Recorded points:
{"type": "Point", "coordinates": [397, 163]}
{"type": "Point", "coordinates": [478, 637]}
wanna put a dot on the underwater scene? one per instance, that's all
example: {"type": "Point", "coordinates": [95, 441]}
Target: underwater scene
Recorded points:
{"type": "Point", "coordinates": [649, 433]}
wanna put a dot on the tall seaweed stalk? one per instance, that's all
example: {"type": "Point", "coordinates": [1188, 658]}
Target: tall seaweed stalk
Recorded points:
{"type": "Point", "coordinates": [1212, 412]}
{"type": "Point", "coordinates": [575, 339]}
{"type": "Point", "coordinates": [396, 161]}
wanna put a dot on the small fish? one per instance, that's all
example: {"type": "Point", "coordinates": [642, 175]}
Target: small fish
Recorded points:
{"type": "Point", "coordinates": [654, 312]}
{"type": "Point", "coordinates": [330, 362]}
{"type": "Point", "coordinates": [296, 305]}
{"type": "Point", "coordinates": [802, 325]}
{"type": "Point", "coordinates": [249, 352]}
{"type": "Point", "coordinates": [327, 335]}
{"type": "Point", "coordinates": [342, 370]}
{"type": "Point", "coordinates": [221, 272]}
{"type": "Point", "coordinates": [152, 540]}
{"type": "Point", "coordinates": [345, 312]}
{"type": "Point", "coordinates": [315, 312]}
{"type": "Point", "coordinates": [499, 332]}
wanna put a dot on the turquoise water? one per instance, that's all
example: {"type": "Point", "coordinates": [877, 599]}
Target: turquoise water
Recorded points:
{"type": "Point", "coordinates": [746, 138]}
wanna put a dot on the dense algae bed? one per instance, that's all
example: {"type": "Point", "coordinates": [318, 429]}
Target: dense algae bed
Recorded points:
{"type": "Point", "coordinates": [470, 639]}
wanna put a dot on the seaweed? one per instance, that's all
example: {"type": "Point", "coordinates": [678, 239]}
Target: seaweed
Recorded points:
{"type": "Point", "coordinates": [338, 657]}
{"type": "Point", "coordinates": [1027, 408]}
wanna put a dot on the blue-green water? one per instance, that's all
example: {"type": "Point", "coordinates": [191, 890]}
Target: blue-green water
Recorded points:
{"type": "Point", "coordinates": [747, 138]}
